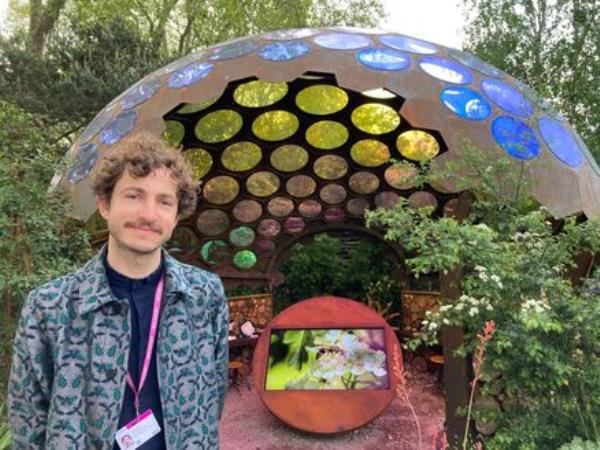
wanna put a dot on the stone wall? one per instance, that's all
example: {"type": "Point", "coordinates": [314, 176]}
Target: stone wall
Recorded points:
{"type": "Point", "coordinates": [414, 306]}
{"type": "Point", "coordinates": [257, 308]}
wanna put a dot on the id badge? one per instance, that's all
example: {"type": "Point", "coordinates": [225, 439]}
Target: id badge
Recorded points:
{"type": "Point", "coordinates": [138, 431]}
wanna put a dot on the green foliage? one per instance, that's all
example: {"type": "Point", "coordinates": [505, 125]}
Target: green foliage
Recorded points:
{"type": "Point", "coordinates": [4, 431]}
{"type": "Point", "coordinates": [580, 444]}
{"type": "Point", "coordinates": [311, 270]}
{"type": "Point", "coordinates": [317, 269]}
{"type": "Point", "coordinates": [37, 240]}
{"type": "Point", "coordinates": [551, 46]}
{"type": "Point", "coordinates": [178, 27]}
{"type": "Point", "coordinates": [84, 67]}
{"type": "Point", "coordinates": [514, 260]}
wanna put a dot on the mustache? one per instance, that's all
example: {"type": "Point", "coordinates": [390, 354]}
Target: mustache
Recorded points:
{"type": "Point", "coordinates": [143, 224]}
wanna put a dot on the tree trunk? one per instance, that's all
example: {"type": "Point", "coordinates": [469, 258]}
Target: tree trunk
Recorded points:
{"type": "Point", "coordinates": [42, 20]}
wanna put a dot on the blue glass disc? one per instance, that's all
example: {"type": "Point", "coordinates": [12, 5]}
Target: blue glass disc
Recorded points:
{"type": "Point", "coordinates": [560, 142]}
{"type": "Point", "coordinates": [342, 41]}
{"type": "Point", "coordinates": [84, 162]}
{"type": "Point", "coordinates": [409, 44]}
{"type": "Point", "coordinates": [121, 126]}
{"type": "Point", "coordinates": [445, 69]}
{"type": "Point", "coordinates": [507, 97]}
{"type": "Point", "coordinates": [383, 59]}
{"type": "Point", "coordinates": [466, 103]}
{"type": "Point", "coordinates": [541, 102]}
{"type": "Point", "coordinates": [190, 74]}
{"type": "Point", "coordinates": [178, 64]}
{"type": "Point", "coordinates": [234, 49]}
{"type": "Point", "coordinates": [139, 93]}
{"type": "Point", "coordinates": [284, 50]}
{"type": "Point", "coordinates": [96, 124]}
{"type": "Point", "coordinates": [515, 137]}
{"type": "Point", "coordinates": [297, 33]}
{"type": "Point", "coordinates": [474, 62]}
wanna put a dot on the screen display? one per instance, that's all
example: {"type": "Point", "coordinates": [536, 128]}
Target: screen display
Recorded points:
{"type": "Point", "coordinates": [327, 359]}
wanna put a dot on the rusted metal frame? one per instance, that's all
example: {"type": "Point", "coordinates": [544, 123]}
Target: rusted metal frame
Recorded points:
{"type": "Point", "coordinates": [456, 370]}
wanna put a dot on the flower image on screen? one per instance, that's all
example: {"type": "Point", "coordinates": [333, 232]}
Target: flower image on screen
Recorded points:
{"type": "Point", "coordinates": [331, 359]}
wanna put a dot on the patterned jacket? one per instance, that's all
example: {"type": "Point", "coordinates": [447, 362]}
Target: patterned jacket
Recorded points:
{"type": "Point", "coordinates": [68, 374]}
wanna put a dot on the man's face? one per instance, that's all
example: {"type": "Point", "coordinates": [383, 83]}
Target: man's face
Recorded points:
{"type": "Point", "coordinates": [142, 212]}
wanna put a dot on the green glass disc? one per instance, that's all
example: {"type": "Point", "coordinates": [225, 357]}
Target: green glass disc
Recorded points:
{"type": "Point", "coordinates": [241, 156]}
{"type": "Point", "coordinates": [219, 126]}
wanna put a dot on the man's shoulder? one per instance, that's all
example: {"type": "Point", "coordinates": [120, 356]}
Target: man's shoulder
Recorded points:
{"type": "Point", "coordinates": [61, 289]}
{"type": "Point", "coordinates": [54, 289]}
{"type": "Point", "coordinates": [194, 278]}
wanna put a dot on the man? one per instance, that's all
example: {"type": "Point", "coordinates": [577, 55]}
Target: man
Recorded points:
{"type": "Point", "coordinates": [134, 343]}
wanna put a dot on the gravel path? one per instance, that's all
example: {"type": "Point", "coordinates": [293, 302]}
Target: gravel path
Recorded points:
{"type": "Point", "coordinates": [248, 425]}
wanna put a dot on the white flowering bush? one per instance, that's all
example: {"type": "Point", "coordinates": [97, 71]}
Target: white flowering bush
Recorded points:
{"type": "Point", "coordinates": [514, 260]}
{"type": "Point", "coordinates": [319, 359]}
{"type": "Point", "coordinates": [343, 359]}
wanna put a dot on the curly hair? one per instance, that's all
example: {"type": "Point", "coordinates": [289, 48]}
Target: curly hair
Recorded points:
{"type": "Point", "coordinates": [141, 155]}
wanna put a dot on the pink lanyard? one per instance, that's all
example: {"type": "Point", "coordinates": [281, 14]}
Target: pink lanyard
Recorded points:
{"type": "Point", "coordinates": [149, 347]}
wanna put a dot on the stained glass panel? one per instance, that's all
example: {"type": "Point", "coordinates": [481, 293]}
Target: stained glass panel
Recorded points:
{"type": "Point", "coordinates": [212, 222]}
{"type": "Point", "coordinates": [259, 93]}
{"type": "Point", "coordinates": [370, 153]}
{"type": "Point", "coordinates": [422, 199]}
{"type": "Point", "coordinates": [334, 215]}
{"type": "Point", "coordinates": [445, 69]}
{"type": "Point", "coordinates": [363, 182]}
{"type": "Point", "coordinates": [327, 135]}
{"type": "Point", "coordinates": [289, 158]}
{"type": "Point", "coordinates": [215, 252]}
{"type": "Point", "coordinates": [200, 160]}
{"type": "Point", "coordinates": [384, 59]}
{"type": "Point", "coordinates": [560, 142]}
{"type": "Point", "coordinates": [121, 126]}
{"type": "Point", "coordinates": [262, 184]}
{"type": "Point", "coordinates": [245, 259]}
{"type": "Point", "coordinates": [333, 194]}
{"type": "Point", "coordinates": [174, 132]}
{"type": "Point", "coordinates": [507, 97]}
{"type": "Point", "coordinates": [401, 176]}
{"type": "Point", "coordinates": [515, 137]}
{"type": "Point", "coordinates": [280, 206]}
{"type": "Point", "coordinates": [301, 186]}
{"type": "Point", "coordinates": [294, 225]}
{"type": "Point", "coordinates": [417, 145]}
{"type": "Point", "coordinates": [247, 211]}
{"type": "Point", "coordinates": [241, 156]}
{"type": "Point", "coordinates": [221, 189]}
{"type": "Point", "coordinates": [269, 228]}
{"type": "Point", "coordinates": [330, 167]}
{"type": "Point", "coordinates": [310, 208]}
{"type": "Point", "coordinates": [375, 118]}
{"type": "Point", "coordinates": [357, 206]}
{"type": "Point", "coordinates": [321, 99]}
{"type": "Point", "coordinates": [219, 126]}
{"type": "Point", "coordinates": [386, 199]}
{"type": "Point", "coordinates": [275, 125]}
{"type": "Point", "coordinates": [242, 236]}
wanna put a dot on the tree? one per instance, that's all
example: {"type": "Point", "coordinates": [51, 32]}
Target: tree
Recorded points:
{"type": "Point", "coordinates": [83, 68]}
{"type": "Point", "coordinates": [178, 27]}
{"type": "Point", "coordinates": [552, 45]}
{"type": "Point", "coordinates": [542, 362]}
{"type": "Point", "coordinates": [37, 239]}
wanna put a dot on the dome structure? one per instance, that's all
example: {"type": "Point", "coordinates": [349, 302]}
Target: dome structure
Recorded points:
{"type": "Point", "coordinates": [293, 130]}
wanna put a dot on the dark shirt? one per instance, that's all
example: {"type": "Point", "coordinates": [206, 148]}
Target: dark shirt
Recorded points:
{"type": "Point", "coordinates": [140, 294]}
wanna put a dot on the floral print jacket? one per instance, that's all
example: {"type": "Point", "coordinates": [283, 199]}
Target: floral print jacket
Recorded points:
{"type": "Point", "coordinates": [68, 375]}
